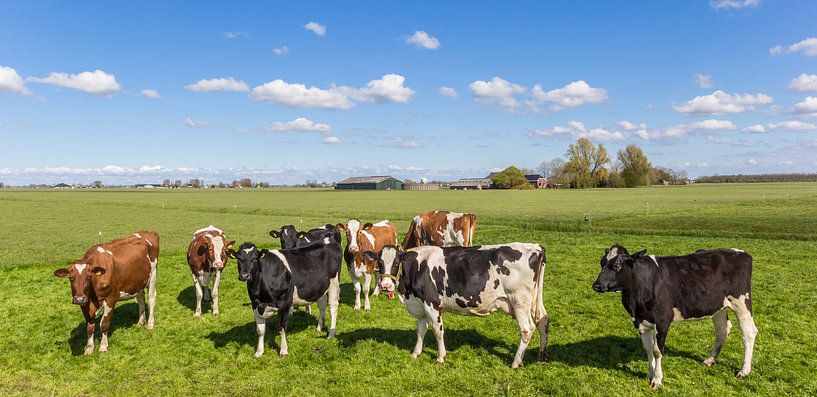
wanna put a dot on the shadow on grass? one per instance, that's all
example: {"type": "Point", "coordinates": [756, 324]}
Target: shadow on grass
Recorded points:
{"type": "Point", "coordinates": [405, 339]}
{"type": "Point", "coordinates": [124, 316]}
{"type": "Point", "coordinates": [245, 334]}
{"type": "Point", "coordinates": [607, 352]}
{"type": "Point", "coordinates": [347, 293]}
{"type": "Point", "coordinates": [187, 298]}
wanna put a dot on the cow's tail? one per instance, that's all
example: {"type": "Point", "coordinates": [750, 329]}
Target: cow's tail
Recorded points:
{"type": "Point", "coordinates": [538, 312]}
{"type": "Point", "coordinates": [472, 225]}
{"type": "Point", "coordinates": [410, 241]}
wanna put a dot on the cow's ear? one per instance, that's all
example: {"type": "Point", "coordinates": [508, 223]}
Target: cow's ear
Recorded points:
{"type": "Point", "coordinates": [300, 234]}
{"type": "Point", "coordinates": [231, 253]}
{"type": "Point", "coordinates": [367, 226]}
{"type": "Point", "coordinates": [230, 243]}
{"type": "Point", "coordinates": [639, 254]}
{"type": "Point", "coordinates": [98, 270]}
{"type": "Point", "coordinates": [274, 234]}
{"type": "Point", "coordinates": [370, 256]}
{"type": "Point", "coordinates": [341, 226]}
{"type": "Point", "coordinates": [61, 272]}
{"type": "Point", "coordinates": [202, 250]}
{"type": "Point", "coordinates": [263, 252]}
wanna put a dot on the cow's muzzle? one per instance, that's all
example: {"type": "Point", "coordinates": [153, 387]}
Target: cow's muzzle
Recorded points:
{"type": "Point", "coordinates": [244, 277]}
{"type": "Point", "coordinates": [80, 300]}
{"type": "Point", "coordinates": [598, 287]}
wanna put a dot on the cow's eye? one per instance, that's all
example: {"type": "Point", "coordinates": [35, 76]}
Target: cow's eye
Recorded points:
{"type": "Point", "coordinates": [616, 266]}
{"type": "Point", "coordinates": [70, 279]}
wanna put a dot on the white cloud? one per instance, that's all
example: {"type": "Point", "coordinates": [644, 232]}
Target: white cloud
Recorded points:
{"type": "Point", "coordinates": [681, 131]}
{"type": "Point", "coordinates": [96, 83]}
{"type": "Point", "coordinates": [236, 35]}
{"type": "Point", "coordinates": [316, 28]}
{"type": "Point", "coordinates": [719, 140]}
{"type": "Point", "coordinates": [720, 102]}
{"type": "Point", "coordinates": [150, 93]}
{"type": "Point", "coordinates": [281, 50]}
{"type": "Point", "coordinates": [792, 125]}
{"type": "Point", "coordinates": [755, 129]}
{"type": "Point", "coordinates": [751, 162]}
{"type": "Point", "coordinates": [218, 84]}
{"type": "Point", "coordinates": [12, 82]}
{"type": "Point", "coordinates": [577, 129]}
{"type": "Point", "coordinates": [497, 91]}
{"type": "Point", "coordinates": [195, 123]}
{"type": "Point", "coordinates": [403, 143]}
{"type": "Point", "coordinates": [808, 46]}
{"type": "Point", "coordinates": [299, 96]}
{"type": "Point", "coordinates": [804, 83]}
{"type": "Point", "coordinates": [574, 94]}
{"type": "Point", "coordinates": [448, 91]}
{"type": "Point", "coordinates": [808, 106]}
{"type": "Point", "coordinates": [331, 140]}
{"type": "Point", "coordinates": [732, 4]}
{"type": "Point", "coordinates": [423, 40]}
{"type": "Point", "coordinates": [300, 124]}
{"type": "Point", "coordinates": [630, 126]}
{"type": "Point", "coordinates": [703, 80]}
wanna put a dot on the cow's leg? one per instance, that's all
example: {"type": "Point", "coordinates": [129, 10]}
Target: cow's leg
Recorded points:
{"type": "Point", "coordinates": [205, 284]}
{"type": "Point", "coordinates": [152, 292]}
{"type": "Point", "coordinates": [356, 283]}
{"type": "Point", "coordinates": [105, 324]}
{"type": "Point", "coordinates": [543, 324]}
{"type": "Point", "coordinates": [435, 320]}
{"type": "Point", "coordinates": [648, 341]}
{"type": "Point", "coordinates": [308, 309]}
{"type": "Point", "coordinates": [367, 283]}
{"type": "Point", "coordinates": [140, 301]}
{"type": "Point", "coordinates": [283, 316]}
{"type": "Point", "coordinates": [722, 327]}
{"type": "Point", "coordinates": [525, 322]}
{"type": "Point", "coordinates": [658, 352]}
{"type": "Point", "coordinates": [90, 326]}
{"type": "Point", "coordinates": [260, 330]}
{"type": "Point", "coordinates": [422, 327]}
{"type": "Point", "coordinates": [322, 310]}
{"type": "Point", "coordinates": [376, 285]}
{"type": "Point", "coordinates": [333, 295]}
{"type": "Point", "coordinates": [743, 312]}
{"type": "Point", "coordinates": [199, 295]}
{"type": "Point", "coordinates": [215, 292]}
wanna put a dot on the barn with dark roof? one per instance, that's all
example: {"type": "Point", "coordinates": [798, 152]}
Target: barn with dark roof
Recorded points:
{"type": "Point", "coordinates": [370, 183]}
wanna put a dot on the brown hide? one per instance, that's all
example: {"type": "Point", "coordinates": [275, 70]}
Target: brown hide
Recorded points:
{"type": "Point", "coordinates": [200, 252]}
{"type": "Point", "coordinates": [383, 236]}
{"type": "Point", "coordinates": [429, 228]}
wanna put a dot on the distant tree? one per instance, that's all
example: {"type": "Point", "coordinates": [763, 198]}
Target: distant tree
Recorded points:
{"type": "Point", "coordinates": [97, 184]}
{"type": "Point", "coordinates": [511, 178]}
{"type": "Point", "coordinates": [177, 183]}
{"type": "Point", "coordinates": [166, 183]}
{"type": "Point", "coordinates": [586, 162]}
{"type": "Point", "coordinates": [245, 182]}
{"type": "Point", "coordinates": [528, 171]}
{"type": "Point", "coordinates": [635, 168]}
{"type": "Point", "coordinates": [615, 179]}
{"type": "Point", "coordinates": [2, 185]}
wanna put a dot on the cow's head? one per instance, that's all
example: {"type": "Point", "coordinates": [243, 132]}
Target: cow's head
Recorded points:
{"type": "Point", "coordinates": [352, 229]}
{"type": "Point", "coordinates": [616, 269]}
{"type": "Point", "coordinates": [249, 260]}
{"type": "Point", "coordinates": [389, 262]}
{"type": "Point", "coordinates": [80, 274]}
{"type": "Point", "coordinates": [215, 248]}
{"type": "Point", "coordinates": [289, 236]}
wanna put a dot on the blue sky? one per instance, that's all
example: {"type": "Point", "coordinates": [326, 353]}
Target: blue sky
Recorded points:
{"type": "Point", "coordinates": [131, 92]}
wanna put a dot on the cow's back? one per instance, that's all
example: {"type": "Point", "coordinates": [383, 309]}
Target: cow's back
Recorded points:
{"type": "Point", "coordinates": [131, 264]}
{"type": "Point", "coordinates": [311, 267]}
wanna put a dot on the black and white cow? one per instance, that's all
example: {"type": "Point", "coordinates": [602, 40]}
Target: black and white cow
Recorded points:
{"type": "Point", "coordinates": [280, 279]}
{"type": "Point", "coordinates": [471, 281]}
{"type": "Point", "coordinates": [656, 291]}
{"type": "Point", "coordinates": [291, 237]}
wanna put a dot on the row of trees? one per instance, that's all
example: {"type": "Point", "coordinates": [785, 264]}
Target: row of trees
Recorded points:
{"type": "Point", "coordinates": [587, 166]}
{"type": "Point", "coordinates": [758, 178]}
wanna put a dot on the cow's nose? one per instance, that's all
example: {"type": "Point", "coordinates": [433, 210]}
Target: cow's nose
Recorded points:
{"type": "Point", "coordinates": [80, 300]}
{"type": "Point", "coordinates": [353, 248]}
{"type": "Point", "coordinates": [243, 276]}
{"type": "Point", "coordinates": [597, 287]}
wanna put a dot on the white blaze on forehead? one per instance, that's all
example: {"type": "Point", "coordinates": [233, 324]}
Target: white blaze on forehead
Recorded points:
{"type": "Point", "coordinates": [137, 235]}
{"type": "Point", "coordinates": [353, 226]}
{"type": "Point", "coordinates": [388, 255]}
{"type": "Point", "coordinates": [218, 246]}
{"type": "Point", "coordinates": [207, 229]}
{"type": "Point", "coordinates": [612, 253]}
{"type": "Point", "coordinates": [80, 267]}
{"type": "Point", "coordinates": [382, 223]}
{"type": "Point", "coordinates": [247, 250]}
{"type": "Point", "coordinates": [100, 250]}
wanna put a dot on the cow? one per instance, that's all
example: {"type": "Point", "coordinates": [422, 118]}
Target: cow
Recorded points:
{"type": "Point", "coordinates": [278, 279]}
{"type": "Point", "coordinates": [441, 228]}
{"type": "Point", "coordinates": [206, 255]}
{"type": "Point", "coordinates": [291, 237]}
{"type": "Point", "coordinates": [658, 290]}
{"type": "Point", "coordinates": [471, 281]}
{"type": "Point", "coordinates": [369, 237]}
{"type": "Point", "coordinates": [107, 273]}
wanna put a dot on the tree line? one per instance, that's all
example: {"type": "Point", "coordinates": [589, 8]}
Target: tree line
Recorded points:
{"type": "Point", "coordinates": [587, 165]}
{"type": "Point", "coordinates": [740, 178]}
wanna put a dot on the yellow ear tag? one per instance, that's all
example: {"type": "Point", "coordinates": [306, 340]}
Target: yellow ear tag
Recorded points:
{"type": "Point", "coordinates": [98, 273]}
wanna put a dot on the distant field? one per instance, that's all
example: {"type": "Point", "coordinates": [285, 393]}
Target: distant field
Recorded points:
{"type": "Point", "coordinates": [594, 349]}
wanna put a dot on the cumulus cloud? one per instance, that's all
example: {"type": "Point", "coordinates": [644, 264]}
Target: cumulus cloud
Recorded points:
{"type": "Point", "coordinates": [300, 124]}
{"type": "Point", "coordinates": [807, 46]}
{"type": "Point", "coordinates": [732, 4]}
{"type": "Point", "coordinates": [12, 82]}
{"type": "Point", "coordinates": [804, 83]}
{"type": "Point", "coordinates": [281, 50]}
{"type": "Point", "coordinates": [630, 126]}
{"type": "Point", "coordinates": [576, 129]}
{"type": "Point", "coordinates": [574, 94]}
{"type": "Point", "coordinates": [497, 91]}
{"type": "Point", "coordinates": [227, 84]}
{"type": "Point", "coordinates": [751, 162]}
{"type": "Point", "coordinates": [720, 102]}
{"type": "Point", "coordinates": [681, 131]}
{"type": "Point", "coordinates": [719, 140]}
{"type": "Point", "coordinates": [389, 88]}
{"type": "Point", "coordinates": [755, 129]}
{"type": "Point", "coordinates": [314, 27]}
{"type": "Point", "coordinates": [195, 123]}
{"type": "Point", "coordinates": [423, 40]}
{"type": "Point", "coordinates": [236, 35]}
{"type": "Point", "coordinates": [807, 106]}
{"type": "Point", "coordinates": [150, 93]}
{"type": "Point", "coordinates": [703, 80]}
{"type": "Point", "coordinates": [331, 140]}
{"type": "Point", "coordinates": [403, 143]}
{"type": "Point", "coordinates": [448, 91]}
{"type": "Point", "coordinates": [792, 125]}
{"type": "Point", "coordinates": [96, 83]}
{"type": "Point", "coordinates": [512, 97]}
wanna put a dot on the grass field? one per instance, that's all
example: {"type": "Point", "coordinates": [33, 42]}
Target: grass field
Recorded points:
{"type": "Point", "coordinates": [593, 348]}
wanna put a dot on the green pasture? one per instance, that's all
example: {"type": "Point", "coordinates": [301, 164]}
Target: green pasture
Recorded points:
{"type": "Point", "coordinates": [593, 348]}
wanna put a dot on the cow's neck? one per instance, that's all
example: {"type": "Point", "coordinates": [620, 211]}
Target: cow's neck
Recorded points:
{"type": "Point", "coordinates": [640, 296]}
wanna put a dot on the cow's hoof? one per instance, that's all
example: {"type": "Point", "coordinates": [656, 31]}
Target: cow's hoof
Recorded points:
{"type": "Point", "coordinates": [368, 309]}
{"type": "Point", "coordinates": [357, 308]}
{"type": "Point", "coordinates": [89, 351]}
{"type": "Point", "coordinates": [258, 355]}
{"type": "Point", "coordinates": [283, 354]}
{"type": "Point", "coordinates": [415, 355]}
{"type": "Point", "coordinates": [150, 326]}
{"type": "Point", "coordinates": [543, 357]}
{"type": "Point", "coordinates": [197, 315]}
{"type": "Point", "coordinates": [709, 362]}
{"type": "Point", "coordinates": [331, 334]}
{"type": "Point", "coordinates": [655, 383]}
{"type": "Point", "coordinates": [515, 365]}
{"type": "Point", "coordinates": [103, 349]}
{"type": "Point", "coordinates": [742, 374]}
{"type": "Point", "coordinates": [319, 329]}
{"type": "Point", "coordinates": [440, 360]}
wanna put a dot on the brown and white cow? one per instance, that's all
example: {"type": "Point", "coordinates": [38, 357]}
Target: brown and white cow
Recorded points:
{"type": "Point", "coordinates": [359, 239]}
{"type": "Point", "coordinates": [207, 254]}
{"type": "Point", "coordinates": [441, 229]}
{"type": "Point", "coordinates": [110, 272]}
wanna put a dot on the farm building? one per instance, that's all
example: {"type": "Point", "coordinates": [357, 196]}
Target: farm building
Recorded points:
{"type": "Point", "coordinates": [471, 184]}
{"type": "Point", "coordinates": [370, 183]}
{"type": "Point", "coordinates": [537, 181]}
